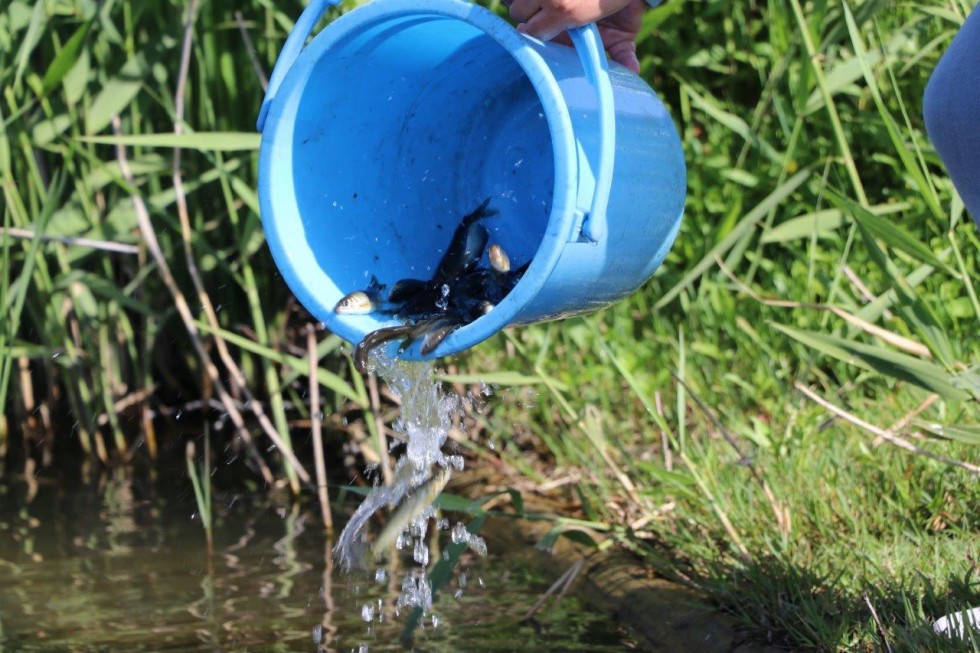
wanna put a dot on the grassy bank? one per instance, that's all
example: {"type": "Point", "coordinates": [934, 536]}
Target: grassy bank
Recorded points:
{"type": "Point", "coordinates": [747, 422]}
{"type": "Point", "coordinates": [738, 422]}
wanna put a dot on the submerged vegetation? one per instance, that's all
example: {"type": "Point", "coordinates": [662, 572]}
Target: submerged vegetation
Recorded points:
{"type": "Point", "coordinates": [785, 416]}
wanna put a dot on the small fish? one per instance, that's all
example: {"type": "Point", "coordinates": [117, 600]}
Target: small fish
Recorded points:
{"type": "Point", "coordinates": [479, 213]}
{"type": "Point", "coordinates": [377, 338]}
{"type": "Point", "coordinates": [467, 244]}
{"type": "Point", "coordinates": [499, 260]}
{"type": "Point", "coordinates": [434, 332]}
{"type": "Point", "coordinates": [405, 289]}
{"type": "Point", "coordinates": [413, 505]}
{"type": "Point", "coordinates": [359, 302]}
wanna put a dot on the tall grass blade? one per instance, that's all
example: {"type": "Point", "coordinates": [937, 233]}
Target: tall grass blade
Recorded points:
{"type": "Point", "coordinates": [66, 59]}
{"type": "Point", "coordinates": [299, 365]}
{"type": "Point", "coordinates": [30, 40]}
{"type": "Point", "coordinates": [745, 225]}
{"type": "Point", "coordinates": [213, 141]}
{"type": "Point", "coordinates": [911, 166]}
{"type": "Point", "coordinates": [21, 287]}
{"type": "Point", "coordinates": [923, 374]}
{"type": "Point", "coordinates": [967, 434]}
{"type": "Point", "coordinates": [822, 224]}
{"type": "Point", "coordinates": [889, 232]}
{"type": "Point", "coordinates": [117, 94]}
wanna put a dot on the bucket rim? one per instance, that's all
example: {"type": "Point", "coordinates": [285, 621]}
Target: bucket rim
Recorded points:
{"type": "Point", "coordinates": [561, 220]}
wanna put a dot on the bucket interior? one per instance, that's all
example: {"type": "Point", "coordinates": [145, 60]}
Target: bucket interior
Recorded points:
{"type": "Point", "coordinates": [401, 128]}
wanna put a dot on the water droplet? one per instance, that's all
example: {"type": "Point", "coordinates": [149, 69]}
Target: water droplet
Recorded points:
{"type": "Point", "coordinates": [459, 534]}
{"type": "Point", "coordinates": [421, 553]}
{"type": "Point", "coordinates": [443, 302]}
{"type": "Point", "coordinates": [367, 612]}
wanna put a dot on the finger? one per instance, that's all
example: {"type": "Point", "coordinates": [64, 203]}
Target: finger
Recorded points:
{"type": "Point", "coordinates": [545, 25]}
{"type": "Point", "coordinates": [523, 10]}
{"type": "Point", "coordinates": [624, 53]}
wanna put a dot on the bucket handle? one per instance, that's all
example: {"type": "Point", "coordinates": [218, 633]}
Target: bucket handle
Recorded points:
{"type": "Point", "coordinates": [295, 43]}
{"type": "Point", "coordinates": [589, 46]}
{"type": "Point", "coordinates": [593, 54]}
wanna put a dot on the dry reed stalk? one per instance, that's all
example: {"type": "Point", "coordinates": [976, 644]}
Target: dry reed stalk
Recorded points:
{"type": "Point", "coordinates": [234, 373]}
{"type": "Point", "coordinates": [780, 510]}
{"type": "Point", "coordinates": [898, 426]}
{"type": "Point", "coordinates": [133, 398]}
{"type": "Point", "coordinates": [104, 245]}
{"type": "Point", "coordinates": [329, 629]}
{"type": "Point", "coordinates": [862, 289]}
{"type": "Point", "coordinates": [902, 343]}
{"type": "Point", "coordinates": [726, 523]}
{"type": "Point", "coordinates": [316, 422]}
{"type": "Point", "coordinates": [884, 435]}
{"type": "Point", "coordinates": [250, 50]}
{"type": "Point", "coordinates": [878, 625]}
{"type": "Point", "coordinates": [183, 309]}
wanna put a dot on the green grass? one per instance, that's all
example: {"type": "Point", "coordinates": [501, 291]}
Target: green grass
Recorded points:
{"type": "Point", "coordinates": [823, 249]}
{"type": "Point", "coordinates": [816, 207]}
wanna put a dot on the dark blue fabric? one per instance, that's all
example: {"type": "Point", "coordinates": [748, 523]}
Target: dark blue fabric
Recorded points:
{"type": "Point", "coordinates": [952, 112]}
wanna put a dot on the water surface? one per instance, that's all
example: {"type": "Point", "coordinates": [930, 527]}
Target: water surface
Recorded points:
{"type": "Point", "coordinates": [119, 563]}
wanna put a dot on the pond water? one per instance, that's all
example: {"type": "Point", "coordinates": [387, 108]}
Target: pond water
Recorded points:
{"type": "Point", "coordinates": [119, 563]}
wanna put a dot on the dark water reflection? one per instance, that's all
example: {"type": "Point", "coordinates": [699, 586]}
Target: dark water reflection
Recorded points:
{"type": "Point", "coordinates": [120, 564]}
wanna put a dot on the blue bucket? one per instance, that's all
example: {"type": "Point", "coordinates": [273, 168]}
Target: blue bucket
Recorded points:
{"type": "Point", "coordinates": [401, 116]}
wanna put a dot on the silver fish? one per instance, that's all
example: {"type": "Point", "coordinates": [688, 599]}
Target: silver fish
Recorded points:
{"type": "Point", "coordinates": [413, 505]}
{"type": "Point", "coordinates": [377, 338]}
{"type": "Point", "coordinates": [499, 260]}
{"type": "Point", "coordinates": [435, 332]}
{"type": "Point", "coordinates": [359, 302]}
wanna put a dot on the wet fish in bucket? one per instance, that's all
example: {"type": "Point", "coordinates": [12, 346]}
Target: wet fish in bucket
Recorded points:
{"type": "Point", "coordinates": [361, 302]}
{"type": "Point", "coordinates": [358, 302]}
{"type": "Point", "coordinates": [458, 293]}
{"type": "Point", "coordinates": [436, 331]}
{"type": "Point", "coordinates": [405, 289]}
{"type": "Point", "coordinates": [499, 260]}
{"type": "Point", "coordinates": [467, 244]}
{"type": "Point", "coordinates": [377, 338]}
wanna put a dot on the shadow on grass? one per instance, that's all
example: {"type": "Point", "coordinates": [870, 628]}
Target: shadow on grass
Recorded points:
{"type": "Point", "coordinates": [794, 607]}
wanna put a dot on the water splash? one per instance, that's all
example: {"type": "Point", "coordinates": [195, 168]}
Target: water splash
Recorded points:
{"type": "Point", "coordinates": [419, 476]}
{"type": "Point", "coordinates": [423, 470]}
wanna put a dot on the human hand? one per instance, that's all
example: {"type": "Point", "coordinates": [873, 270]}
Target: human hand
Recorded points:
{"type": "Point", "coordinates": [618, 22]}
